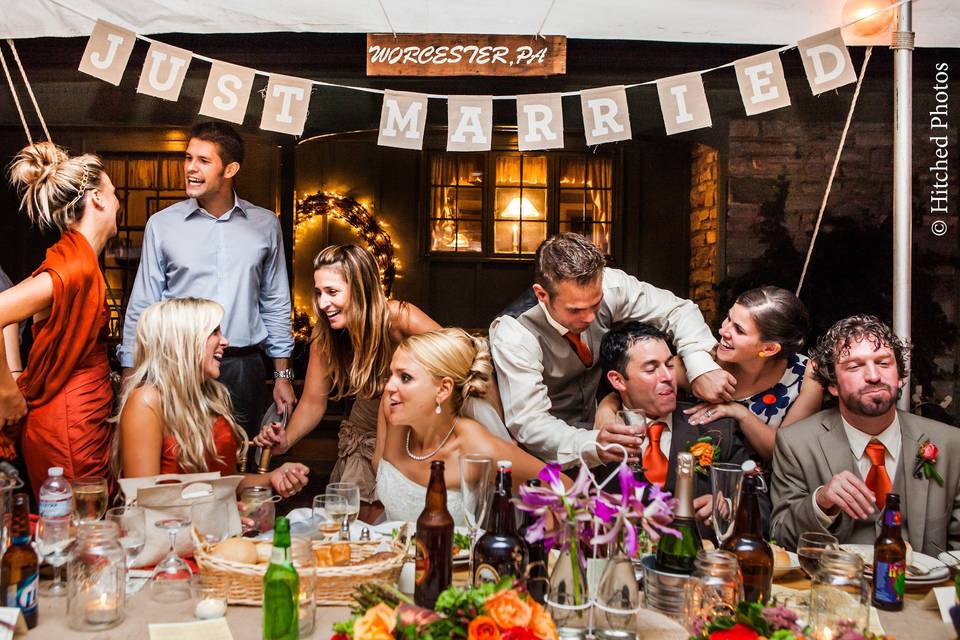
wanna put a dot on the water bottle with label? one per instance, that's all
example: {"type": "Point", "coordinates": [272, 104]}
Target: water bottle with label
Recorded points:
{"type": "Point", "coordinates": [56, 495]}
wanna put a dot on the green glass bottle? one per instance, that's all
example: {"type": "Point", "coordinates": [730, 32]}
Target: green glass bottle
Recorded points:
{"type": "Point", "coordinates": [676, 555]}
{"type": "Point", "coordinates": [281, 588]}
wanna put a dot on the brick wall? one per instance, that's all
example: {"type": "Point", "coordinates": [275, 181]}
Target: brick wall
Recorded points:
{"type": "Point", "coordinates": [704, 228]}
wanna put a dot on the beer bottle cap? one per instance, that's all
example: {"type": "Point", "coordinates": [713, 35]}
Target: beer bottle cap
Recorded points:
{"type": "Point", "coordinates": [504, 464]}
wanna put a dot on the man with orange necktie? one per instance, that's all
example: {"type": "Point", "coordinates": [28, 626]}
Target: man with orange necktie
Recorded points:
{"type": "Point", "coordinates": [832, 471]}
{"type": "Point", "coordinates": [544, 345]}
{"type": "Point", "coordinates": [639, 366]}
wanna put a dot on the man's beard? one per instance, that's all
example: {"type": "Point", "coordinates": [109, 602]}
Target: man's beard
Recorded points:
{"type": "Point", "coordinates": [870, 407]}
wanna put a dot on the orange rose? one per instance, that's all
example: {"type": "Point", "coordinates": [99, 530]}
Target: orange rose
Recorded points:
{"type": "Point", "coordinates": [703, 451]}
{"type": "Point", "coordinates": [483, 628]}
{"type": "Point", "coordinates": [541, 622]}
{"type": "Point", "coordinates": [508, 610]}
{"type": "Point", "coordinates": [376, 624]}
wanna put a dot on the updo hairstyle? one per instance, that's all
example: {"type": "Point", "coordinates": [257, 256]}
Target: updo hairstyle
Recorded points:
{"type": "Point", "coordinates": [453, 353]}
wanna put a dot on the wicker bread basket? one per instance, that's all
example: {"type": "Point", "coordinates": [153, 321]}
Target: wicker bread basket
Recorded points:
{"type": "Point", "coordinates": [333, 585]}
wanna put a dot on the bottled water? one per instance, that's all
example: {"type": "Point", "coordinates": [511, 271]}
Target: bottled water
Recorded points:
{"type": "Point", "coordinates": [56, 495]}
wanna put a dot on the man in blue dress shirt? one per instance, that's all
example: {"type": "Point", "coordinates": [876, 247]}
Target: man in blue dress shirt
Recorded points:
{"type": "Point", "coordinates": [215, 245]}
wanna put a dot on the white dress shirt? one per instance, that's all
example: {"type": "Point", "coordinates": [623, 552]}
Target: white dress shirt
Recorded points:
{"type": "Point", "coordinates": [890, 437]}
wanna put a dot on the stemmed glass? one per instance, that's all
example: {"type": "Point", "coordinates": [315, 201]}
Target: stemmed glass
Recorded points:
{"type": "Point", "coordinates": [635, 418]}
{"type": "Point", "coordinates": [90, 496]}
{"type": "Point", "coordinates": [726, 480]}
{"type": "Point", "coordinates": [475, 488]}
{"type": "Point", "coordinates": [211, 520]}
{"type": "Point", "coordinates": [811, 546]}
{"type": "Point", "coordinates": [170, 581]}
{"type": "Point", "coordinates": [351, 494]}
{"type": "Point", "coordinates": [132, 526]}
{"type": "Point", "coordinates": [328, 512]}
{"type": "Point", "coordinates": [55, 535]}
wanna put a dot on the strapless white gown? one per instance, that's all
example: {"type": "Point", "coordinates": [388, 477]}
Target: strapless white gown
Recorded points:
{"type": "Point", "coordinates": [403, 499]}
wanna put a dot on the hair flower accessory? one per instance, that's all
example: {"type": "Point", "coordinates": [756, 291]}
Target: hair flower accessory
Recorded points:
{"type": "Point", "coordinates": [926, 459]}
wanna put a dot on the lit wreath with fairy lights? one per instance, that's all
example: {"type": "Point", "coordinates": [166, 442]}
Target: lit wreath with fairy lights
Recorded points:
{"type": "Point", "coordinates": [364, 224]}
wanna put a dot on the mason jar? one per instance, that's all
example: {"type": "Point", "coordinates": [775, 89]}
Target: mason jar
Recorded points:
{"type": "Point", "coordinates": [839, 595]}
{"type": "Point", "coordinates": [714, 589]}
{"type": "Point", "coordinates": [96, 578]}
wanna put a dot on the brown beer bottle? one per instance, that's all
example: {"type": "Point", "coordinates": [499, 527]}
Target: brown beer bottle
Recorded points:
{"type": "Point", "coordinates": [747, 543]}
{"type": "Point", "coordinates": [434, 564]}
{"type": "Point", "coordinates": [537, 579]}
{"type": "Point", "coordinates": [20, 566]}
{"type": "Point", "coordinates": [889, 559]}
{"type": "Point", "coordinates": [500, 551]}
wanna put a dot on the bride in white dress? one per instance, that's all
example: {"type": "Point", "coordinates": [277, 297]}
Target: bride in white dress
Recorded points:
{"type": "Point", "coordinates": [431, 377]}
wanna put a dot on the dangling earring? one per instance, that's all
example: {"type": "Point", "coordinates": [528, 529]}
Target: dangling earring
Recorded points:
{"type": "Point", "coordinates": [437, 410]}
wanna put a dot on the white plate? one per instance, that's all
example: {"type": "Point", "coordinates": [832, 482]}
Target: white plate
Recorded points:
{"type": "Point", "coordinates": [938, 570]}
{"type": "Point", "coordinates": [386, 530]}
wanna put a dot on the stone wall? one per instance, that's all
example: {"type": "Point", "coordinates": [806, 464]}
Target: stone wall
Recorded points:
{"type": "Point", "coordinates": [704, 228]}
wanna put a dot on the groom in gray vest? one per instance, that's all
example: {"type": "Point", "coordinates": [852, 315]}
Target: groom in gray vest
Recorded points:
{"type": "Point", "coordinates": [545, 347]}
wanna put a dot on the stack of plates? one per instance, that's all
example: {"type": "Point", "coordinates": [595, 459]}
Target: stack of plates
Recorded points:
{"type": "Point", "coordinates": [931, 570]}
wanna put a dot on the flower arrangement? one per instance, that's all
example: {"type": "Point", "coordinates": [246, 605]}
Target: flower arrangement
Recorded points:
{"type": "Point", "coordinates": [486, 612]}
{"type": "Point", "coordinates": [924, 464]}
{"type": "Point", "coordinates": [753, 621]}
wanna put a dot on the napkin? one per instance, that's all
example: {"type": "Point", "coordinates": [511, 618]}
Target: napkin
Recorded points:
{"type": "Point", "coordinates": [199, 630]}
{"type": "Point", "coordinates": [942, 598]}
{"type": "Point", "coordinates": [12, 616]}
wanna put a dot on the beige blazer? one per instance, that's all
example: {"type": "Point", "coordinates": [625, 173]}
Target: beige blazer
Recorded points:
{"type": "Point", "coordinates": [810, 452]}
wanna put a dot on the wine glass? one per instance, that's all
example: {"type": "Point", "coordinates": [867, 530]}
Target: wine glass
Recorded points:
{"type": "Point", "coordinates": [635, 418]}
{"type": "Point", "coordinates": [170, 581]}
{"type": "Point", "coordinates": [475, 488]}
{"type": "Point", "coordinates": [55, 536]}
{"type": "Point", "coordinates": [211, 520]}
{"type": "Point", "coordinates": [132, 526]}
{"type": "Point", "coordinates": [90, 496]}
{"type": "Point", "coordinates": [328, 512]}
{"type": "Point", "coordinates": [726, 480]}
{"type": "Point", "coordinates": [351, 494]}
{"type": "Point", "coordinates": [811, 545]}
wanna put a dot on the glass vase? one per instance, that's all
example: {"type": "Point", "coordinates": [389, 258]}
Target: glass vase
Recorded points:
{"type": "Point", "coordinates": [568, 599]}
{"type": "Point", "coordinates": [617, 600]}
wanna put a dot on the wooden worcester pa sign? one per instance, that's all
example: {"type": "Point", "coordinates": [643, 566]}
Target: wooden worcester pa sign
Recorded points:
{"type": "Point", "coordinates": [418, 54]}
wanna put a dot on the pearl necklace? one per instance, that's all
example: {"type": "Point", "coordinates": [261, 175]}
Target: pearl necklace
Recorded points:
{"type": "Point", "coordinates": [434, 452]}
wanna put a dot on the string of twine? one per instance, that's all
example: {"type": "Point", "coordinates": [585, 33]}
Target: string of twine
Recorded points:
{"type": "Point", "coordinates": [387, 18]}
{"type": "Point", "coordinates": [544, 21]}
{"type": "Point", "coordinates": [26, 81]}
{"type": "Point", "coordinates": [16, 99]}
{"type": "Point", "coordinates": [833, 170]}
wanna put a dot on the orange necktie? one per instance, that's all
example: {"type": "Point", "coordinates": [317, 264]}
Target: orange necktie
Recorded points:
{"type": "Point", "coordinates": [877, 479]}
{"type": "Point", "coordinates": [583, 352]}
{"type": "Point", "coordinates": [654, 462]}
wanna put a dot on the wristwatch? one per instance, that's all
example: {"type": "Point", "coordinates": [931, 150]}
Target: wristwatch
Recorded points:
{"type": "Point", "coordinates": [286, 374]}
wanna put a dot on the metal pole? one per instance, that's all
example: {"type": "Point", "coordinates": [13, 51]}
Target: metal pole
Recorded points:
{"type": "Point", "coordinates": [902, 46]}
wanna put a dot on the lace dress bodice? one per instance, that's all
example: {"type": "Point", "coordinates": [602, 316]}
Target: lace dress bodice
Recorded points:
{"type": "Point", "coordinates": [403, 499]}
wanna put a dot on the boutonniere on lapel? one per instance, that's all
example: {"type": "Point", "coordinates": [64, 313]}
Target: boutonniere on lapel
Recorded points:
{"type": "Point", "coordinates": [704, 450]}
{"type": "Point", "coordinates": [926, 459]}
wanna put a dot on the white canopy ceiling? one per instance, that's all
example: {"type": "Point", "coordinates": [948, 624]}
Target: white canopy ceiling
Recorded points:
{"type": "Point", "coordinates": [936, 22]}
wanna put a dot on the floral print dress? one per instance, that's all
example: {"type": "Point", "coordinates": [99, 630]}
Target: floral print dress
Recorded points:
{"type": "Point", "coordinates": [772, 405]}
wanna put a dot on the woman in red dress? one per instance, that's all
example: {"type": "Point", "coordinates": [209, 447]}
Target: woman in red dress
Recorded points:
{"type": "Point", "coordinates": [175, 417]}
{"type": "Point", "coordinates": [65, 388]}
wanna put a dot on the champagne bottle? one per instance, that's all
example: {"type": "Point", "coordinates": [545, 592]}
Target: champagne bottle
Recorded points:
{"type": "Point", "coordinates": [537, 579]}
{"type": "Point", "coordinates": [434, 563]}
{"type": "Point", "coordinates": [501, 551]}
{"type": "Point", "coordinates": [281, 588]}
{"type": "Point", "coordinates": [889, 559]}
{"type": "Point", "coordinates": [676, 554]}
{"type": "Point", "coordinates": [20, 566]}
{"type": "Point", "coordinates": [746, 542]}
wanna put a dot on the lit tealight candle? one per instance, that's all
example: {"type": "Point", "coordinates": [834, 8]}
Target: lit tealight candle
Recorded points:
{"type": "Point", "coordinates": [210, 608]}
{"type": "Point", "coordinates": [103, 610]}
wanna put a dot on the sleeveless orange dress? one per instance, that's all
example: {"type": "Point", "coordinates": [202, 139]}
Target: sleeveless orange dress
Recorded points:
{"type": "Point", "coordinates": [226, 450]}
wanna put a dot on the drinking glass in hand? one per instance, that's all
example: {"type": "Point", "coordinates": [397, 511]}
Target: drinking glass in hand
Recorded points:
{"type": "Point", "coordinates": [475, 472]}
{"type": "Point", "coordinates": [351, 493]}
{"type": "Point", "coordinates": [211, 520]}
{"type": "Point", "coordinates": [55, 536]}
{"type": "Point", "coordinates": [725, 483]}
{"type": "Point", "coordinates": [635, 418]}
{"type": "Point", "coordinates": [90, 496]}
{"type": "Point", "coordinates": [328, 512]}
{"type": "Point", "coordinates": [812, 544]}
{"type": "Point", "coordinates": [132, 526]}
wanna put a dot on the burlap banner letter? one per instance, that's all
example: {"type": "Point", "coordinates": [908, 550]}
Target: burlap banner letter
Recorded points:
{"type": "Point", "coordinates": [227, 92]}
{"type": "Point", "coordinates": [285, 107]}
{"type": "Point", "coordinates": [539, 121]}
{"type": "Point", "coordinates": [469, 123]}
{"type": "Point", "coordinates": [403, 118]}
{"type": "Point", "coordinates": [826, 61]}
{"type": "Point", "coordinates": [763, 86]}
{"type": "Point", "coordinates": [683, 102]}
{"type": "Point", "coordinates": [108, 51]}
{"type": "Point", "coordinates": [606, 117]}
{"type": "Point", "coordinates": [164, 71]}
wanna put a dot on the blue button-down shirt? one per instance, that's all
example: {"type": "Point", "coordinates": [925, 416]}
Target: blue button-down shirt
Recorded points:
{"type": "Point", "coordinates": [236, 259]}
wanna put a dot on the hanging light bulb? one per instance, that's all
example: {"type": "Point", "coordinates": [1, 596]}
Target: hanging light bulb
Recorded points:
{"type": "Point", "coordinates": [874, 16]}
